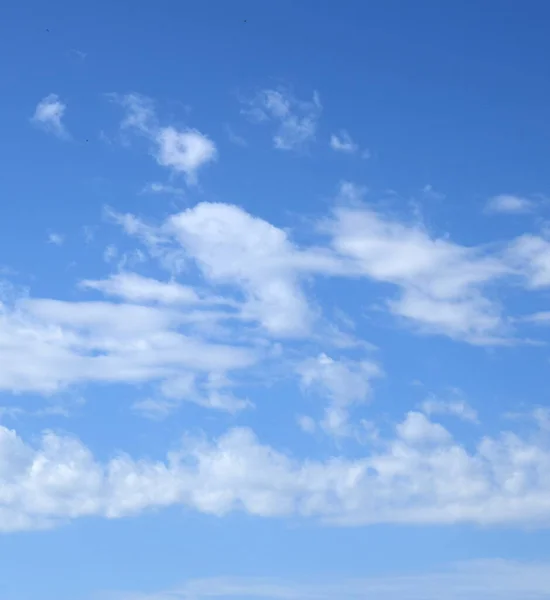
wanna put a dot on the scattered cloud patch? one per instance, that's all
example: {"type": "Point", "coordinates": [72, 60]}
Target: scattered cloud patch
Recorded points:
{"type": "Point", "coordinates": [342, 383]}
{"type": "Point", "coordinates": [455, 408]}
{"type": "Point", "coordinates": [56, 239]}
{"type": "Point", "coordinates": [296, 120]}
{"type": "Point", "coordinates": [162, 188]}
{"type": "Point", "coordinates": [342, 142]}
{"type": "Point", "coordinates": [420, 475]}
{"type": "Point", "coordinates": [184, 151]}
{"type": "Point", "coordinates": [509, 204]}
{"type": "Point", "coordinates": [49, 114]}
{"type": "Point", "coordinates": [440, 282]}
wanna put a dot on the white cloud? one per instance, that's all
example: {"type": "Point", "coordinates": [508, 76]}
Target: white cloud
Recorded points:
{"type": "Point", "coordinates": [417, 429]}
{"type": "Point", "coordinates": [49, 116]}
{"type": "Point", "coordinates": [135, 288]}
{"type": "Point", "coordinates": [441, 285]}
{"type": "Point", "coordinates": [343, 383]}
{"type": "Point", "coordinates": [56, 239]}
{"type": "Point", "coordinates": [455, 408]}
{"type": "Point", "coordinates": [184, 150]}
{"type": "Point", "coordinates": [531, 256]}
{"type": "Point", "coordinates": [342, 142]}
{"type": "Point", "coordinates": [509, 204]}
{"type": "Point", "coordinates": [48, 345]}
{"type": "Point", "coordinates": [440, 282]}
{"type": "Point", "coordinates": [297, 119]}
{"type": "Point", "coordinates": [419, 476]}
{"type": "Point", "coordinates": [306, 423]}
{"type": "Point", "coordinates": [162, 188]}
{"type": "Point", "coordinates": [232, 247]}
{"type": "Point", "coordinates": [495, 579]}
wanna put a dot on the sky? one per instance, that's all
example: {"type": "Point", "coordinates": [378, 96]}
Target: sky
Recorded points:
{"type": "Point", "coordinates": [274, 300]}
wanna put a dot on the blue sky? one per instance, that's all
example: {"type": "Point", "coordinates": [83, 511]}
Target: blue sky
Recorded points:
{"type": "Point", "coordinates": [274, 301]}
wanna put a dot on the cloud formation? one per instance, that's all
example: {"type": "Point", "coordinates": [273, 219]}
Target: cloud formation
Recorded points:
{"type": "Point", "coordinates": [509, 204]}
{"type": "Point", "coordinates": [296, 119]}
{"type": "Point", "coordinates": [420, 475]}
{"type": "Point", "coordinates": [49, 114]}
{"type": "Point", "coordinates": [184, 151]}
{"type": "Point", "coordinates": [342, 142]}
{"type": "Point", "coordinates": [470, 580]}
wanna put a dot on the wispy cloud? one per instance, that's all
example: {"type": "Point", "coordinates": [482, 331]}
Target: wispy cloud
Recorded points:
{"type": "Point", "coordinates": [455, 408]}
{"type": "Point", "coordinates": [183, 150]}
{"type": "Point", "coordinates": [342, 142]}
{"type": "Point", "coordinates": [162, 188]}
{"type": "Point", "coordinates": [296, 119]}
{"type": "Point", "coordinates": [235, 138]}
{"type": "Point", "coordinates": [509, 204]}
{"type": "Point", "coordinates": [56, 239]}
{"type": "Point", "coordinates": [49, 115]}
{"type": "Point", "coordinates": [472, 580]}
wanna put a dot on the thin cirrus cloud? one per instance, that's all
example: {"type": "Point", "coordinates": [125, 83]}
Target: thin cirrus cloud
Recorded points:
{"type": "Point", "coordinates": [489, 579]}
{"type": "Point", "coordinates": [49, 114]}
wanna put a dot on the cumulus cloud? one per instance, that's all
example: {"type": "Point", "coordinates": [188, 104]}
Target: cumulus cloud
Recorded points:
{"type": "Point", "coordinates": [296, 119]}
{"type": "Point", "coordinates": [509, 204]}
{"type": "Point", "coordinates": [184, 151]}
{"type": "Point", "coordinates": [420, 475]}
{"type": "Point", "coordinates": [49, 114]}
{"type": "Point", "coordinates": [342, 142]}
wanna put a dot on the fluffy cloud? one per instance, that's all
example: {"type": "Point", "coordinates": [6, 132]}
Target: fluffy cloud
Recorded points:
{"type": "Point", "coordinates": [421, 475]}
{"type": "Point", "coordinates": [48, 115]}
{"type": "Point", "coordinates": [185, 151]}
{"type": "Point", "coordinates": [296, 119]}
{"type": "Point", "coordinates": [509, 204]}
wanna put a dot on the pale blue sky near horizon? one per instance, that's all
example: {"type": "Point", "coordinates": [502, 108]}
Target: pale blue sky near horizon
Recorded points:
{"type": "Point", "coordinates": [274, 300]}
